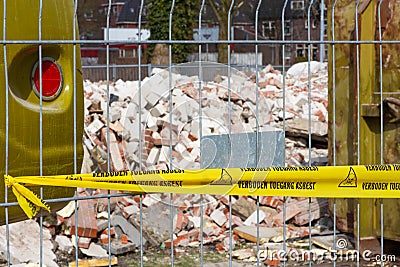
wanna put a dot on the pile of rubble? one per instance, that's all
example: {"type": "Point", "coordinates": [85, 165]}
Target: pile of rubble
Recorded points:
{"type": "Point", "coordinates": [168, 134]}
{"type": "Point", "coordinates": [163, 135]}
{"type": "Point", "coordinates": [95, 236]}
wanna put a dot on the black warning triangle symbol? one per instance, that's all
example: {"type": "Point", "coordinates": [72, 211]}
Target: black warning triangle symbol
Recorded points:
{"type": "Point", "coordinates": [350, 180]}
{"type": "Point", "coordinates": [224, 179]}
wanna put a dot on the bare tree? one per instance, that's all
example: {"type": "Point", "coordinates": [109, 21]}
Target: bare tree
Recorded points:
{"type": "Point", "coordinates": [221, 11]}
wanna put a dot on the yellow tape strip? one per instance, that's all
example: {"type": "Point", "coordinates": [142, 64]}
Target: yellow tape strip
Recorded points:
{"type": "Point", "coordinates": [28, 201]}
{"type": "Point", "coordinates": [370, 181]}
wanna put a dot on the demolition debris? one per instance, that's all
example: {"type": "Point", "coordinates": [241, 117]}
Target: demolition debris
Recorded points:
{"type": "Point", "coordinates": [163, 133]}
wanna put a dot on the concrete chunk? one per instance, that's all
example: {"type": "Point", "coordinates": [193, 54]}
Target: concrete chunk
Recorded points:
{"type": "Point", "coordinates": [132, 233]}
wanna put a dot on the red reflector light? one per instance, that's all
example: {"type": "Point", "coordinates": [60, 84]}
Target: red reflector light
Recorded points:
{"type": "Point", "coordinates": [51, 79]}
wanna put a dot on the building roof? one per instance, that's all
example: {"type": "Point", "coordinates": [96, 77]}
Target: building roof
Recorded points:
{"type": "Point", "coordinates": [129, 13]}
{"type": "Point", "coordinates": [269, 10]}
{"type": "Point", "coordinates": [272, 10]}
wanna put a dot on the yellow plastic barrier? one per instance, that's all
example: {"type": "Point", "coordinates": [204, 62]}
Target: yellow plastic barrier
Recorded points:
{"type": "Point", "coordinates": [369, 181]}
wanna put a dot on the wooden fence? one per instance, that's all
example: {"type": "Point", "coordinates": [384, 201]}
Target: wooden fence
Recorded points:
{"type": "Point", "coordinates": [116, 72]}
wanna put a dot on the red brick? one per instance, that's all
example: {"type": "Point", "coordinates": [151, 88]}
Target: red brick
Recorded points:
{"type": "Point", "coordinates": [220, 247]}
{"type": "Point", "coordinates": [183, 207]}
{"type": "Point", "coordinates": [87, 224]}
{"type": "Point", "coordinates": [273, 202]}
{"type": "Point", "coordinates": [147, 132]}
{"type": "Point", "coordinates": [168, 242]}
{"type": "Point", "coordinates": [60, 220]}
{"type": "Point", "coordinates": [124, 239]}
{"type": "Point", "coordinates": [192, 138]}
{"type": "Point", "coordinates": [104, 238]}
{"type": "Point", "coordinates": [112, 232]}
{"type": "Point", "coordinates": [184, 238]}
{"type": "Point", "coordinates": [181, 221]}
{"type": "Point", "coordinates": [196, 211]}
{"type": "Point", "coordinates": [148, 138]}
{"type": "Point", "coordinates": [137, 198]}
{"type": "Point", "coordinates": [194, 234]}
{"type": "Point", "coordinates": [223, 199]}
{"type": "Point", "coordinates": [127, 201]}
{"type": "Point", "coordinates": [321, 116]}
{"type": "Point", "coordinates": [272, 262]}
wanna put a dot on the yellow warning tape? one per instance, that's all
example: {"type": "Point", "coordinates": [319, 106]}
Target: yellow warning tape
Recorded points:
{"type": "Point", "coordinates": [369, 181]}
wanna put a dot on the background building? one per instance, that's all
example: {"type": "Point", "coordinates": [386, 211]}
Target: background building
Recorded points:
{"type": "Point", "coordinates": [123, 25]}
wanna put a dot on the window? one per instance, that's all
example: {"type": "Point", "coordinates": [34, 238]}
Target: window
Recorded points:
{"type": "Point", "coordinates": [88, 15]}
{"type": "Point", "coordinates": [297, 5]}
{"type": "Point", "coordinates": [269, 29]}
{"type": "Point", "coordinates": [288, 54]}
{"type": "Point", "coordinates": [302, 51]}
{"type": "Point", "coordinates": [313, 23]}
{"type": "Point", "coordinates": [314, 49]}
{"type": "Point", "coordinates": [127, 53]}
{"type": "Point", "coordinates": [288, 27]}
{"type": "Point", "coordinates": [121, 52]}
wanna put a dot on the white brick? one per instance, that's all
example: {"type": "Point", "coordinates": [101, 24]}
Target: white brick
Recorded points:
{"type": "Point", "coordinates": [193, 144]}
{"type": "Point", "coordinates": [114, 114]}
{"type": "Point", "coordinates": [301, 100]}
{"type": "Point", "coordinates": [252, 219]}
{"type": "Point", "coordinates": [132, 209]}
{"type": "Point", "coordinates": [87, 103]}
{"type": "Point", "coordinates": [145, 113]}
{"type": "Point", "coordinates": [151, 123]}
{"type": "Point", "coordinates": [193, 166]}
{"type": "Point", "coordinates": [195, 152]}
{"type": "Point", "coordinates": [194, 129]}
{"type": "Point", "coordinates": [115, 154]}
{"type": "Point", "coordinates": [218, 217]}
{"type": "Point", "coordinates": [128, 128]}
{"type": "Point", "coordinates": [177, 92]}
{"type": "Point", "coordinates": [158, 110]}
{"type": "Point", "coordinates": [132, 147]}
{"type": "Point", "coordinates": [152, 199]}
{"type": "Point", "coordinates": [151, 99]}
{"type": "Point", "coordinates": [164, 155]}
{"type": "Point", "coordinates": [153, 156]}
{"type": "Point", "coordinates": [184, 137]}
{"type": "Point", "coordinates": [134, 130]}
{"type": "Point", "coordinates": [158, 85]}
{"type": "Point", "coordinates": [95, 126]}
{"type": "Point", "coordinates": [184, 163]}
{"type": "Point", "coordinates": [130, 112]}
{"type": "Point", "coordinates": [133, 158]}
{"type": "Point", "coordinates": [180, 148]}
{"type": "Point", "coordinates": [187, 155]}
{"type": "Point", "coordinates": [195, 221]}
{"type": "Point", "coordinates": [288, 115]}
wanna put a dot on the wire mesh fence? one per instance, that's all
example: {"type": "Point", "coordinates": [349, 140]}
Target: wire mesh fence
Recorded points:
{"type": "Point", "coordinates": [329, 100]}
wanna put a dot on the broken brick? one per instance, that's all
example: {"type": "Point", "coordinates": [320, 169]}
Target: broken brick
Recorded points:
{"type": "Point", "coordinates": [87, 224]}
